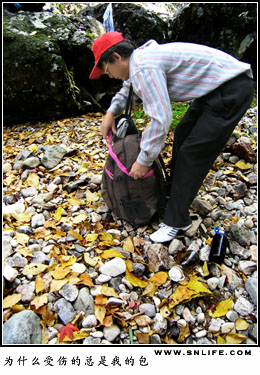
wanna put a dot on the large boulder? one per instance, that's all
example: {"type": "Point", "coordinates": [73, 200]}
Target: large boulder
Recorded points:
{"type": "Point", "coordinates": [230, 27]}
{"type": "Point", "coordinates": [133, 21]}
{"type": "Point", "coordinates": [46, 65]}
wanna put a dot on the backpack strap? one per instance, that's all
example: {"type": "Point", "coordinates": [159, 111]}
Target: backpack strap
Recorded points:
{"type": "Point", "coordinates": [118, 162]}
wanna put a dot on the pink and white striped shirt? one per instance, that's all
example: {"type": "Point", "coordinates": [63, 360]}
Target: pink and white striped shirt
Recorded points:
{"type": "Point", "coordinates": [161, 73]}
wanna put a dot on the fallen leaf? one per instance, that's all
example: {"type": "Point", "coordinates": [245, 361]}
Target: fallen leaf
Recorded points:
{"type": "Point", "coordinates": [182, 293]}
{"type": "Point", "coordinates": [85, 279]}
{"type": "Point", "coordinates": [197, 286]}
{"type": "Point", "coordinates": [143, 338]}
{"type": "Point", "coordinates": [150, 289]}
{"type": "Point", "coordinates": [22, 238]}
{"type": "Point", "coordinates": [242, 165]}
{"type": "Point", "coordinates": [11, 300]}
{"type": "Point", "coordinates": [58, 214]}
{"type": "Point", "coordinates": [111, 253]}
{"type": "Point", "coordinates": [75, 234]}
{"type": "Point", "coordinates": [159, 278]}
{"type": "Point", "coordinates": [101, 300]}
{"type": "Point", "coordinates": [128, 245]}
{"type": "Point", "coordinates": [143, 320]}
{"type": "Point", "coordinates": [234, 338]}
{"type": "Point", "coordinates": [100, 312]}
{"type": "Point", "coordinates": [39, 284]}
{"type": "Point", "coordinates": [222, 308]}
{"type": "Point", "coordinates": [91, 261]}
{"type": "Point", "coordinates": [184, 333]}
{"type": "Point", "coordinates": [39, 301]}
{"type": "Point", "coordinates": [91, 197]}
{"type": "Point", "coordinates": [67, 331]}
{"type": "Point", "coordinates": [67, 260]}
{"type": "Point", "coordinates": [56, 285]}
{"type": "Point", "coordinates": [78, 219]}
{"type": "Point", "coordinates": [205, 269]}
{"type": "Point", "coordinates": [33, 180]}
{"type": "Point", "coordinates": [241, 324]}
{"type": "Point", "coordinates": [60, 272]}
{"type": "Point", "coordinates": [74, 201]}
{"type": "Point", "coordinates": [108, 291]}
{"type": "Point", "coordinates": [34, 269]}
{"type": "Point", "coordinates": [134, 280]}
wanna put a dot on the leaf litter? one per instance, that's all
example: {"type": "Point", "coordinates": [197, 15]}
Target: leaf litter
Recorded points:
{"type": "Point", "coordinates": [80, 233]}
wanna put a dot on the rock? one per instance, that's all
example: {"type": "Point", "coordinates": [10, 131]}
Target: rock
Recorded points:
{"type": "Point", "coordinates": [69, 292]}
{"type": "Point", "coordinates": [213, 283]}
{"type": "Point", "coordinates": [158, 257]}
{"type": "Point", "coordinates": [148, 308]}
{"type": "Point", "coordinates": [27, 292]}
{"type": "Point", "coordinates": [38, 220]}
{"type": "Point", "coordinates": [53, 156]}
{"type": "Point", "coordinates": [175, 246]}
{"type": "Point", "coordinates": [110, 333]}
{"type": "Point", "coordinates": [251, 287]}
{"type": "Point", "coordinates": [239, 234]}
{"type": "Point", "coordinates": [244, 151]}
{"type": "Point", "coordinates": [65, 311]}
{"type": "Point", "coordinates": [9, 273]}
{"type": "Point", "coordinates": [22, 328]}
{"type": "Point", "coordinates": [187, 315]}
{"type": "Point", "coordinates": [196, 221]}
{"type": "Point", "coordinates": [89, 321]}
{"type": "Point", "coordinates": [84, 302]}
{"type": "Point", "coordinates": [243, 307]}
{"type": "Point", "coordinates": [227, 327]}
{"type": "Point", "coordinates": [201, 207]}
{"type": "Point", "coordinates": [82, 181]}
{"type": "Point", "coordinates": [114, 267]}
{"type": "Point", "coordinates": [160, 324]}
{"type": "Point", "coordinates": [247, 266]}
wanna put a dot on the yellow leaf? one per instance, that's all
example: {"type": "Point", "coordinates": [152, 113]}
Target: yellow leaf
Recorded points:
{"type": "Point", "coordinates": [91, 197]}
{"type": "Point", "coordinates": [128, 245]}
{"type": "Point", "coordinates": [111, 253]}
{"type": "Point", "coordinates": [101, 300]}
{"type": "Point", "coordinates": [75, 234]}
{"type": "Point", "coordinates": [67, 260]}
{"type": "Point", "coordinates": [222, 308]}
{"type": "Point", "coordinates": [184, 333]}
{"type": "Point", "coordinates": [100, 312]}
{"type": "Point", "coordinates": [26, 252]}
{"type": "Point", "coordinates": [129, 265]}
{"type": "Point", "coordinates": [242, 165]}
{"type": "Point", "coordinates": [150, 289]}
{"type": "Point", "coordinates": [74, 201]}
{"type": "Point", "coordinates": [34, 269]}
{"type": "Point", "coordinates": [241, 324]}
{"type": "Point", "coordinates": [234, 338]}
{"type": "Point", "coordinates": [165, 311]}
{"type": "Point", "coordinates": [103, 236]}
{"type": "Point", "coordinates": [108, 291]}
{"type": "Point", "coordinates": [221, 340]}
{"type": "Point", "coordinates": [91, 238]}
{"type": "Point", "coordinates": [32, 147]}
{"type": "Point", "coordinates": [85, 279]}
{"type": "Point", "coordinates": [205, 269]}
{"type": "Point", "coordinates": [57, 285]}
{"type": "Point", "coordinates": [22, 238]}
{"type": "Point", "coordinates": [33, 180]}
{"type": "Point", "coordinates": [143, 338]}
{"type": "Point", "coordinates": [134, 280]}
{"type": "Point", "coordinates": [11, 300]}
{"type": "Point", "coordinates": [79, 218]}
{"type": "Point", "coordinates": [159, 278]}
{"type": "Point", "coordinates": [60, 272]}
{"type": "Point", "coordinates": [39, 284]}
{"type": "Point", "coordinates": [39, 301]}
{"type": "Point", "coordinates": [197, 286]}
{"type": "Point", "coordinates": [22, 217]}
{"type": "Point", "coordinates": [181, 294]}
{"type": "Point", "coordinates": [58, 214]}
{"type": "Point", "coordinates": [91, 261]}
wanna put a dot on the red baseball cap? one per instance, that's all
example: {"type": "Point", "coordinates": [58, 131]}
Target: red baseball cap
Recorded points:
{"type": "Point", "coordinates": [101, 44]}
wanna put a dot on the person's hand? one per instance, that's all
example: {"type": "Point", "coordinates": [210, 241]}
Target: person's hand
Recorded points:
{"type": "Point", "coordinates": [138, 170]}
{"type": "Point", "coordinates": [108, 124]}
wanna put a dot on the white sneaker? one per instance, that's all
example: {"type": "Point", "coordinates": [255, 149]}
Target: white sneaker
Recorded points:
{"type": "Point", "coordinates": [166, 233]}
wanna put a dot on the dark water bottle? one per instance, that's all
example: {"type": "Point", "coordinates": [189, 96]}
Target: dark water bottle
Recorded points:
{"type": "Point", "coordinates": [218, 246]}
{"type": "Point", "coordinates": [189, 259]}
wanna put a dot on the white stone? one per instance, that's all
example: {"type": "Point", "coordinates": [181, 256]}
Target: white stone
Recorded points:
{"type": "Point", "coordinates": [181, 323]}
{"type": "Point", "coordinates": [114, 267]}
{"type": "Point", "coordinates": [9, 273]}
{"type": "Point", "coordinates": [187, 315]}
{"type": "Point", "coordinates": [227, 327]}
{"type": "Point", "coordinates": [201, 317]}
{"type": "Point", "coordinates": [38, 220]}
{"type": "Point", "coordinates": [160, 324]}
{"type": "Point", "coordinates": [78, 268]}
{"type": "Point", "coordinates": [176, 274]}
{"type": "Point", "coordinates": [103, 278]}
{"type": "Point", "coordinates": [89, 321]}
{"type": "Point", "coordinates": [110, 333]}
{"type": "Point", "coordinates": [243, 307]}
{"type": "Point", "coordinates": [201, 333]}
{"type": "Point", "coordinates": [213, 283]}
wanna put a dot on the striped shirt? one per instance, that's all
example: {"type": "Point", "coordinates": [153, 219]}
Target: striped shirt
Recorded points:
{"type": "Point", "coordinates": [172, 72]}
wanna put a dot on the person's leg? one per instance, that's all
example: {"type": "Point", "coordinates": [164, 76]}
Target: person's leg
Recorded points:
{"type": "Point", "coordinates": [206, 129]}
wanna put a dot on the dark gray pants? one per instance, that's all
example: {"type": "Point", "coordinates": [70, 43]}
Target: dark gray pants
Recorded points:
{"type": "Point", "coordinates": [198, 140]}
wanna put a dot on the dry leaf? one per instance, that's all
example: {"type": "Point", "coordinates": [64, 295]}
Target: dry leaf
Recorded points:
{"type": "Point", "coordinates": [143, 338]}
{"type": "Point", "coordinates": [91, 197]}
{"type": "Point", "coordinates": [58, 214]}
{"type": "Point", "coordinates": [75, 234]}
{"type": "Point", "coordinates": [22, 238]}
{"type": "Point", "coordinates": [33, 180]}
{"type": "Point", "coordinates": [74, 201]}
{"type": "Point", "coordinates": [234, 338]}
{"type": "Point", "coordinates": [182, 293]}
{"type": "Point", "coordinates": [241, 324]}
{"type": "Point", "coordinates": [197, 286]}
{"type": "Point", "coordinates": [39, 301]}
{"type": "Point", "coordinates": [79, 218]}
{"type": "Point", "coordinates": [85, 279]}
{"type": "Point", "coordinates": [60, 272]}
{"type": "Point", "coordinates": [67, 260]}
{"type": "Point", "coordinates": [56, 285]}
{"type": "Point", "coordinates": [11, 300]}
{"type": "Point", "coordinates": [91, 261]}
{"type": "Point", "coordinates": [184, 333]}
{"type": "Point", "coordinates": [111, 253]}
{"type": "Point", "coordinates": [128, 245]}
{"type": "Point", "coordinates": [134, 280]}
{"type": "Point", "coordinates": [108, 291]}
{"type": "Point", "coordinates": [34, 269]}
{"type": "Point", "coordinates": [150, 289]}
{"type": "Point", "coordinates": [100, 312]}
{"type": "Point", "coordinates": [222, 308]}
{"type": "Point", "coordinates": [242, 165]}
{"type": "Point", "coordinates": [108, 321]}
{"type": "Point", "coordinates": [159, 278]}
{"type": "Point", "coordinates": [39, 284]}
{"type": "Point", "coordinates": [143, 320]}
{"type": "Point", "coordinates": [205, 269]}
{"type": "Point", "coordinates": [101, 300]}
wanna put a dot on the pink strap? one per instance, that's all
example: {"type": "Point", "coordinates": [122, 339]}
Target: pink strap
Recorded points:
{"type": "Point", "coordinates": [118, 162]}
